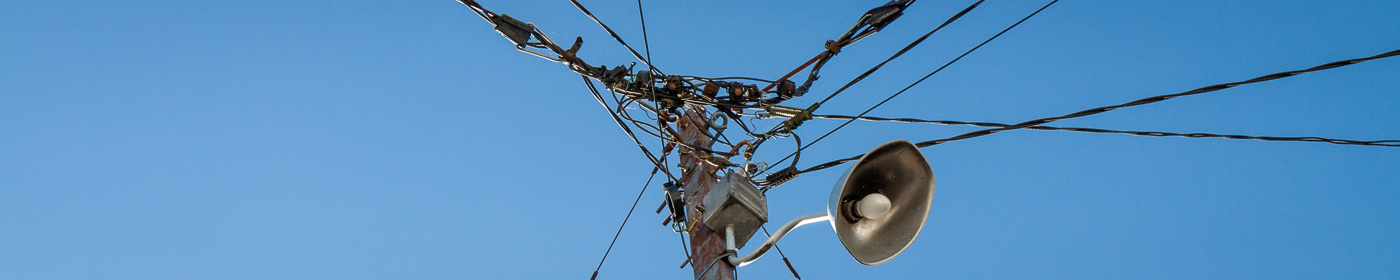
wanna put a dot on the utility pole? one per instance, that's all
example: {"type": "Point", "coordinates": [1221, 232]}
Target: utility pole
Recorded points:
{"type": "Point", "coordinates": [698, 177]}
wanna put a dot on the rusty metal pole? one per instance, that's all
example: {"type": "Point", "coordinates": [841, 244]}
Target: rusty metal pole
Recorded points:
{"type": "Point", "coordinates": [698, 177]}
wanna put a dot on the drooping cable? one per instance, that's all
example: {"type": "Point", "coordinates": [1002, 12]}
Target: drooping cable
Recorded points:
{"type": "Point", "coordinates": [624, 223]}
{"type": "Point", "coordinates": [1138, 102]}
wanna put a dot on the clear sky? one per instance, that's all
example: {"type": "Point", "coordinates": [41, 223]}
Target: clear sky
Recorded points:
{"type": "Point", "coordinates": [407, 140]}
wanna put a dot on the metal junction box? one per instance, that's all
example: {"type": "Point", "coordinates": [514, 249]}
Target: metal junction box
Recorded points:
{"type": "Point", "coordinates": [736, 203]}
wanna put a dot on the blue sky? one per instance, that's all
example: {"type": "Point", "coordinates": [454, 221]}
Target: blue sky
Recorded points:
{"type": "Point", "coordinates": [407, 140]}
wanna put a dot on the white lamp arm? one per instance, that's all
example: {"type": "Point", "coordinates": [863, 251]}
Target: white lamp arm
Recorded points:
{"type": "Point", "coordinates": [758, 252]}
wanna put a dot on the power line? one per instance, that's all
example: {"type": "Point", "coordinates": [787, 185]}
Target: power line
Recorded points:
{"type": "Point", "coordinates": [792, 124]}
{"type": "Point", "coordinates": [624, 223]}
{"type": "Point", "coordinates": [614, 35]}
{"type": "Point", "coordinates": [1138, 102]}
{"type": "Point", "coordinates": [723, 256]}
{"type": "Point", "coordinates": [906, 88]}
{"type": "Point", "coordinates": [873, 21]}
{"type": "Point", "coordinates": [1384, 143]}
{"type": "Point", "coordinates": [906, 48]}
{"type": "Point", "coordinates": [646, 43]}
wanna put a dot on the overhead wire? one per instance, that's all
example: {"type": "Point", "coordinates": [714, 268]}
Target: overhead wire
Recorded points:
{"type": "Point", "coordinates": [624, 223]}
{"type": "Point", "coordinates": [873, 21]}
{"type": "Point", "coordinates": [687, 84]}
{"type": "Point", "coordinates": [901, 52]}
{"type": "Point", "coordinates": [1139, 102]}
{"type": "Point", "coordinates": [925, 77]}
{"type": "Point", "coordinates": [1384, 143]}
{"type": "Point", "coordinates": [651, 68]}
{"type": "Point", "coordinates": [790, 125]}
{"type": "Point", "coordinates": [628, 130]}
{"type": "Point", "coordinates": [614, 35]}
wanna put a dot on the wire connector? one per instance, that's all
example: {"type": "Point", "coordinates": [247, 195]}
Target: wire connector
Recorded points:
{"type": "Point", "coordinates": [517, 31]}
{"type": "Point", "coordinates": [792, 123]}
{"type": "Point", "coordinates": [885, 14]}
{"type": "Point", "coordinates": [780, 177]}
{"type": "Point", "coordinates": [787, 90]}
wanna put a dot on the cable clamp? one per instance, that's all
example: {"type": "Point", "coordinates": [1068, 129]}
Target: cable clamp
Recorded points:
{"type": "Point", "coordinates": [780, 177]}
{"type": "Point", "coordinates": [885, 14]}
{"type": "Point", "coordinates": [797, 119]}
{"type": "Point", "coordinates": [832, 47]}
{"type": "Point", "coordinates": [513, 29]}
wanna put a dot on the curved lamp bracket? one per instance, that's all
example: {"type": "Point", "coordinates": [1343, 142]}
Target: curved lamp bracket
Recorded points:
{"type": "Point", "coordinates": [738, 261]}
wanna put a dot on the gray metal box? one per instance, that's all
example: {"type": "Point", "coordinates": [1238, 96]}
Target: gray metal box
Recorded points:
{"type": "Point", "coordinates": [736, 203]}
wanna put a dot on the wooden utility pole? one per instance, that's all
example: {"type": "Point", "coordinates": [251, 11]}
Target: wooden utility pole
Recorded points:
{"type": "Point", "coordinates": [698, 177]}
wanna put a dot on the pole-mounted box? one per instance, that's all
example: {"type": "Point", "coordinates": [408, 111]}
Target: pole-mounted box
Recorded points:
{"type": "Point", "coordinates": [735, 203]}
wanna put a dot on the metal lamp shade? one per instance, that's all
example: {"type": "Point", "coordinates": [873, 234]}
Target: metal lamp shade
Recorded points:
{"type": "Point", "coordinates": [898, 171]}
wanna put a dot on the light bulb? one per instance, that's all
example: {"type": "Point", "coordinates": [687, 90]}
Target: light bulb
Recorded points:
{"type": "Point", "coordinates": [873, 206]}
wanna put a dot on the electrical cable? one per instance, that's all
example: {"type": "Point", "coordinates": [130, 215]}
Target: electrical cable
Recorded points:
{"type": "Point", "coordinates": [901, 52]}
{"type": "Point", "coordinates": [712, 264]}
{"type": "Point", "coordinates": [628, 130]}
{"type": "Point", "coordinates": [685, 249]}
{"type": "Point", "coordinates": [624, 223]}
{"type": "Point", "coordinates": [614, 35]}
{"type": "Point", "coordinates": [1138, 102]}
{"type": "Point", "coordinates": [780, 254]}
{"type": "Point", "coordinates": [930, 74]}
{"type": "Point", "coordinates": [1383, 143]}
{"type": "Point", "coordinates": [883, 16]}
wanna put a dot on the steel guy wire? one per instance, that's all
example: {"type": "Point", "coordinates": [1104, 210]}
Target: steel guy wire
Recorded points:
{"type": "Point", "coordinates": [1138, 102]}
{"type": "Point", "coordinates": [1383, 143]}
{"type": "Point", "coordinates": [624, 222]}
{"type": "Point", "coordinates": [930, 74]}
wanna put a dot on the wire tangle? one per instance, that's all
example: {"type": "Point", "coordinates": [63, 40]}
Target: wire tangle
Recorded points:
{"type": "Point", "coordinates": [667, 94]}
{"type": "Point", "coordinates": [738, 101]}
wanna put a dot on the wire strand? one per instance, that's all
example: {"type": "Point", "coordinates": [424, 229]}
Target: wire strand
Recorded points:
{"type": "Point", "coordinates": [1138, 102]}
{"type": "Point", "coordinates": [624, 222]}
{"type": "Point", "coordinates": [654, 161]}
{"type": "Point", "coordinates": [614, 35]}
{"type": "Point", "coordinates": [930, 74]}
{"type": "Point", "coordinates": [1383, 143]}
